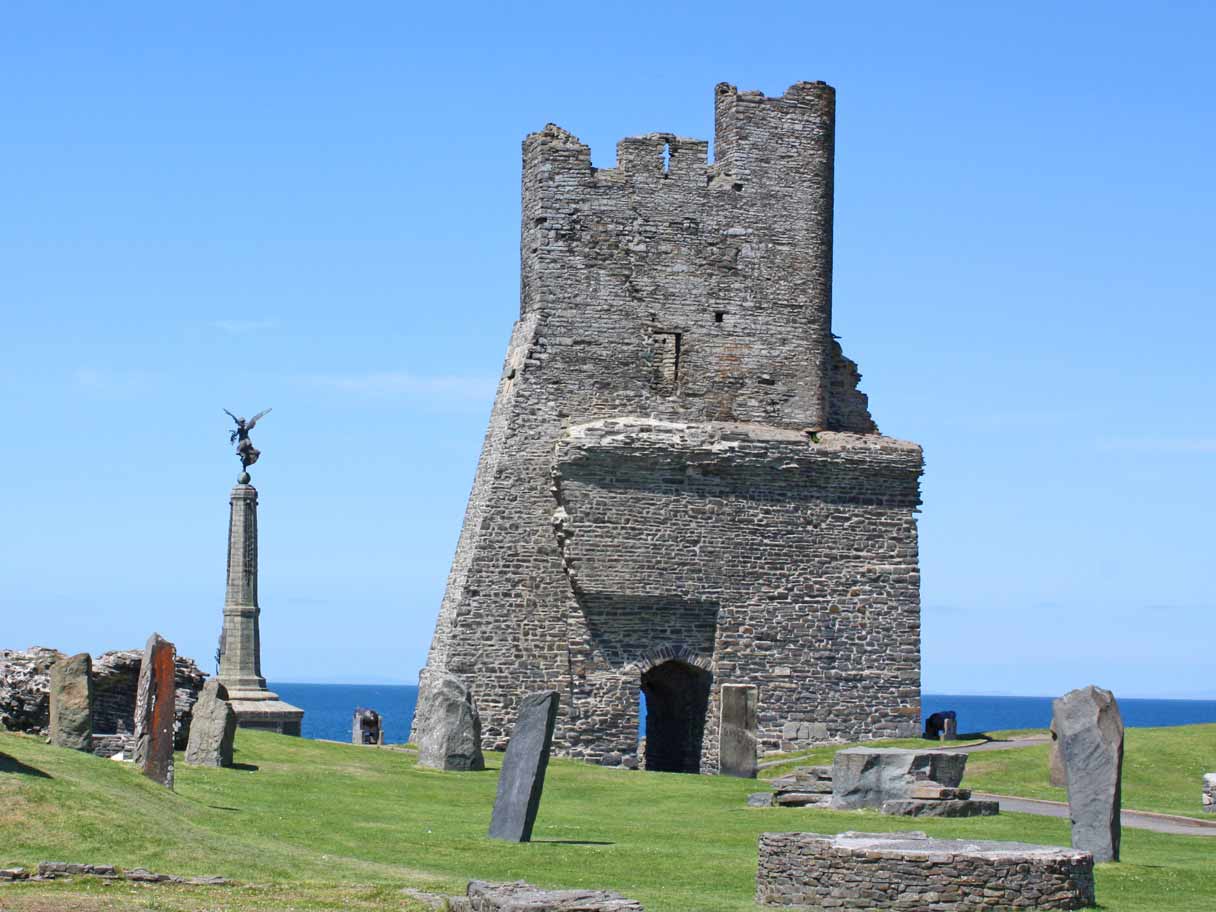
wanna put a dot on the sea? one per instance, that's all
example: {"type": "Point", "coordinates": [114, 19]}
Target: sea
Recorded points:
{"type": "Point", "coordinates": [328, 709]}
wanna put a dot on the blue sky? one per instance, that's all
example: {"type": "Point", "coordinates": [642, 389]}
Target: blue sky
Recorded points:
{"type": "Point", "coordinates": [315, 207]}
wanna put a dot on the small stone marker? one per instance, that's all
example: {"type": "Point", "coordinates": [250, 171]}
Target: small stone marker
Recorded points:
{"type": "Point", "coordinates": [366, 727]}
{"type": "Point", "coordinates": [1090, 732]}
{"type": "Point", "coordinates": [212, 728]}
{"type": "Point", "coordinates": [1055, 761]}
{"type": "Point", "coordinates": [71, 699]}
{"type": "Point", "coordinates": [449, 727]}
{"type": "Point", "coordinates": [523, 768]}
{"type": "Point", "coordinates": [155, 711]}
{"type": "Point", "coordinates": [867, 777]}
{"type": "Point", "coordinates": [737, 735]}
{"type": "Point", "coordinates": [1209, 792]}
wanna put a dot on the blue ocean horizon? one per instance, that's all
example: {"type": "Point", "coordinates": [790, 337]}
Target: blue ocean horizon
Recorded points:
{"type": "Point", "coordinates": [328, 709]}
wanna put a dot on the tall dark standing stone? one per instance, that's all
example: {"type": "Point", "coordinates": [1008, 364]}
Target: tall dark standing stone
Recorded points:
{"type": "Point", "coordinates": [155, 711]}
{"type": "Point", "coordinates": [1090, 733]}
{"type": "Point", "coordinates": [737, 736]}
{"type": "Point", "coordinates": [213, 727]}
{"type": "Point", "coordinates": [71, 699]}
{"type": "Point", "coordinates": [523, 768]}
{"type": "Point", "coordinates": [449, 727]}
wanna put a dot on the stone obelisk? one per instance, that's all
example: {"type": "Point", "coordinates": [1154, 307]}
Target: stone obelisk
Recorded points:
{"type": "Point", "coordinates": [240, 644]}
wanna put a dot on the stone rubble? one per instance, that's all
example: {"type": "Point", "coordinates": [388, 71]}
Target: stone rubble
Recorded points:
{"type": "Point", "coordinates": [56, 870]}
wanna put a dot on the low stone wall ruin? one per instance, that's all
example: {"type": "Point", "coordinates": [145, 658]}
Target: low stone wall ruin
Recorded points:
{"type": "Point", "coordinates": [911, 871]}
{"type": "Point", "coordinates": [25, 694]}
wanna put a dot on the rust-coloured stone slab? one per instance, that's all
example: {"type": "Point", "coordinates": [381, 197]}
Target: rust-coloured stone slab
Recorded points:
{"type": "Point", "coordinates": [154, 711]}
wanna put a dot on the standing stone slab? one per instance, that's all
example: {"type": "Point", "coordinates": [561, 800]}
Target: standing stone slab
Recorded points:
{"type": "Point", "coordinates": [523, 768]}
{"type": "Point", "coordinates": [1055, 761]}
{"type": "Point", "coordinates": [1090, 731]}
{"type": "Point", "coordinates": [867, 777]}
{"type": "Point", "coordinates": [213, 727]}
{"type": "Point", "coordinates": [737, 736]}
{"type": "Point", "coordinates": [449, 727]}
{"type": "Point", "coordinates": [154, 711]}
{"type": "Point", "coordinates": [1209, 792]}
{"type": "Point", "coordinates": [71, 699]}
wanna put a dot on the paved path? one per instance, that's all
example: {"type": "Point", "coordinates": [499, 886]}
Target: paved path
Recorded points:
{"type": "Point", "coordinates": [1011, 744]}
{"type": "Point", "coordinates": [1140, 820]}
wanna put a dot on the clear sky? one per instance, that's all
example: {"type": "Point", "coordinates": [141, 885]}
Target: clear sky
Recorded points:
{"type": "Point", "coordinates": [315, 207]}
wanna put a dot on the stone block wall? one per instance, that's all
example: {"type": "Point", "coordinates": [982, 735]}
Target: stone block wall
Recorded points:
{"type": "Point", "coordinates": [911, 871]}
{"type": "Point", "coordinates": [684, 298]}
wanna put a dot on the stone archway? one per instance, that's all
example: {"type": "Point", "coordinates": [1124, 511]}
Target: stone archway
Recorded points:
{"type": "Point", "coordinates": [677, 704]}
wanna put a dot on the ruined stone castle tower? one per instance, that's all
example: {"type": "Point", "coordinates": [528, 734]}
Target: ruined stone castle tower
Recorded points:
{"type": "Point", "coordinates": [681, 486]}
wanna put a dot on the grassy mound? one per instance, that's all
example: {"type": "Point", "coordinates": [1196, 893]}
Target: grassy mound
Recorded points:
{"type": "Point", "coordinates": [310, 825]}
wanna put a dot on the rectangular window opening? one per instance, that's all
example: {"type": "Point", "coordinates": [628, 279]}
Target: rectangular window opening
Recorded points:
{"type": "Point", "coordinates": [719, 316]}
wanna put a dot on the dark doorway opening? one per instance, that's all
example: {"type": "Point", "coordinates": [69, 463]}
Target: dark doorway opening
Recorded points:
{"type": "Point", "coordinates": [677, 701]}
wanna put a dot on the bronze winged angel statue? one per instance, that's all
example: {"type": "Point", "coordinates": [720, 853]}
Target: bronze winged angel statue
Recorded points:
{"type": "Point", "coordinates": [246, 452]}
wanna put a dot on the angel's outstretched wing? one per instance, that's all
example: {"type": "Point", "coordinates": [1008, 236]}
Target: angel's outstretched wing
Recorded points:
{"type": "Point", "coordinates": [232, 416]}
{"type": "Point", "coordinates": [254, 420]}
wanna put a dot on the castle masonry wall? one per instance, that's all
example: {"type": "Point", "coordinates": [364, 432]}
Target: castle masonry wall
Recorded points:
{"type": "Point", "coordinates": [679, 464]}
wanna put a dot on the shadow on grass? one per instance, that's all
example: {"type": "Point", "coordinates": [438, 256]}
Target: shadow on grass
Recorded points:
{"type": "Point", "coordinates": [572, 842]}
{"type": "Point", "coordinates": [245, 767]}
{"type": "Point", "coordinates": [11, 765]}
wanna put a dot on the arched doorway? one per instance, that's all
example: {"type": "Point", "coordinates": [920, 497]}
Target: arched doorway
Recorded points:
{"type": "Point", "coordinates": [677, 701]}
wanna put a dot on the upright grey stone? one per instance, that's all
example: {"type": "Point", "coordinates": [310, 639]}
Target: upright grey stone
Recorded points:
{"type": "Point", "coordinates": [1090, 729]}
{"type": "Point", "coordinates": [1209, 792]}
{"type": "Point", "coordinates": [213, 727]}
{"type": "Point", "coordinates": [866, 776]}
{"type": "Point", "coordinates": [737, 742]}
{"type": "Point", "coordinates": [255, 705]}
{"type": "Point", "coordinates": [523, 768]}
{"type": "Point", "coordinates": [155, 711]}
{"type": "Point", "coordinates": [71, 699]}
{"type": "Point", "coordinates": [449, 727]}
{"type": "Point", "coordinates": [1055, 761]}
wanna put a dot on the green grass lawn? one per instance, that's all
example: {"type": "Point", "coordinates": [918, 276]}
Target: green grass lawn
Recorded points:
{"type": "Point", "coordinates": [308, 825]}
{"type": "Point", "coordinates": [1162, 770]}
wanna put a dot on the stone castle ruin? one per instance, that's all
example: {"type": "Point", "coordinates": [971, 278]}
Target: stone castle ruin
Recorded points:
{"type": "Point", "coordinates": [681, 486]}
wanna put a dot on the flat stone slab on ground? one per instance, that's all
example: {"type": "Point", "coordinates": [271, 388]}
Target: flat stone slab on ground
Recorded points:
{"type": "Point", "coordinates": [911, 871]}
{"type": "Point", "coordinates": [867, 776]}
{"type": "Point", "coordinates": [522, 897]}
{"type": "Point", "coordinates": [935, 807]}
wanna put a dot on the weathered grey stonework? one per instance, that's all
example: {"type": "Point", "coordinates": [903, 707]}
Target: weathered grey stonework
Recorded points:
{"type": "Point", "coordinates": [1090, 730]}
{"type": "Point", "coordinates": [522, 779]}
{"type": "Point", "coordinates": [154, 712]}
{"type": "Point", "coordinates": [911, 871]}
{"type": "Point", "coordinates": [681, 486]}
{"type": "Point", "coordinates": [213, 728]}
{"type": "Point", "coordinates": [867, 777]}
{"type": "Point", "coordinates": [737, 742]}
{"type": "Point", "coordinates": [255, 705]}
{"type": "Point", "coordinates": [448, 726]}
{"type": "Point", "coordinates": [71, 699]}
{"type": "Point", "coordinates": [25, 688]}
{"type": "Point", "coordinates": [523, 897]}
{"type": "Point", "coordinates": [1209, 792]}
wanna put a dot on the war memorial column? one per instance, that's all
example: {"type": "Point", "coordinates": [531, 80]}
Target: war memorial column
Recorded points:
{"type": "Point", "coordinates": [240, 643]}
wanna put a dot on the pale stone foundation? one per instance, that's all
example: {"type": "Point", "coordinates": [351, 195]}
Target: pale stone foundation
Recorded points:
{"type": "Point", "coordinates": [810, 871]}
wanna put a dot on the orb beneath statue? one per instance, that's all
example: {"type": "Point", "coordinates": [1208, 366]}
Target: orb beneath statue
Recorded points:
{"type": "Point", "coordinates": [243, 478]}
